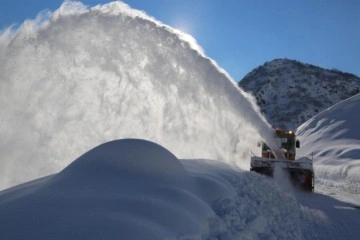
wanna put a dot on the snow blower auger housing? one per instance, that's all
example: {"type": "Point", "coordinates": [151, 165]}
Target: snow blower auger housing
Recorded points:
{"type": "Point", "coordinates": [300, 170]}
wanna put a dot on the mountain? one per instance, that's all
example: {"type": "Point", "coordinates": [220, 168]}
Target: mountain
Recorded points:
{"type": "Point", "coordinates": [289, 92]}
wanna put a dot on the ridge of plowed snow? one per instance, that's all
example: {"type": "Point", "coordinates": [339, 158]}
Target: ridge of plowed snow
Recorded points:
{"type": "Point", "coordinates": [333, 138]}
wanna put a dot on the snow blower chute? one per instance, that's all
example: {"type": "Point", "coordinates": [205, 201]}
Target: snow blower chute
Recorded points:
{"type": "Point", "coordinates": [300, 170]}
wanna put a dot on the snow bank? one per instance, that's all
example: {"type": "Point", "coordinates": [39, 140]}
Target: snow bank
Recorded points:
{"type": "Point", "coordinates": [132, 157]}
{"type": "Point", "coordinates": [80, 76]}
{"type": "Point", "coordinates": [333, 138]}
{"type": "Point", "coordinates": [136, 189]}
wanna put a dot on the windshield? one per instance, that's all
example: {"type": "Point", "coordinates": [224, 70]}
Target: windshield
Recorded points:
{"type": "Point", "coordinates": [287, 143]}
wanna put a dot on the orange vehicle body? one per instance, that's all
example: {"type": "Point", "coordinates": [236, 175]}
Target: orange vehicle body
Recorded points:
{"type": "Point", "coordinates": [288, 145]}
{"type": "Point", "coordinates": [300, 170]}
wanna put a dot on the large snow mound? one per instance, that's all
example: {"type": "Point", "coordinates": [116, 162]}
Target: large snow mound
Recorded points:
{"type": "Point", "coordinates": [131, 159]}
{"type": "Point", "coordinates": [83, 76]}
{"type": "Point", "coordinates": [333, 138]}
{"type": "Point", "coordinates": [107, 193]}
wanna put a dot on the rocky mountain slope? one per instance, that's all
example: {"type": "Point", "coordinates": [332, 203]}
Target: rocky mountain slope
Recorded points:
{"type": "Point", "coordinates": [289, 92]}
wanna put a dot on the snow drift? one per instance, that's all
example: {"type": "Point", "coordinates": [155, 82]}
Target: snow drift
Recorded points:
{"type": "Point", "coordinates": [80, 76]}
{"type": "Point", "coordinates": [136, 189]}
{"type": "Point", "coordinates": [333, 138]}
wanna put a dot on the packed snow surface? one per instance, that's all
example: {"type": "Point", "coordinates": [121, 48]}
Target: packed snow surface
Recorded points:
{"type": "Point", "coordinates": [78, 77]}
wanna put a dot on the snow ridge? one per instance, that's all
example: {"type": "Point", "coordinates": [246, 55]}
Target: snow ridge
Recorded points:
{"type": "Point", "coordinates": [332, 137]}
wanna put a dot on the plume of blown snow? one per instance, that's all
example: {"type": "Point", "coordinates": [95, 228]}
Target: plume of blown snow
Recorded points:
{"type": "Point", "coordinates": [81, 76]}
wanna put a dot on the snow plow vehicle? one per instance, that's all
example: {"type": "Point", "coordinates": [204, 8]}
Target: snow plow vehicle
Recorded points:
{"type": "Point", "coordinates": [300, 170]}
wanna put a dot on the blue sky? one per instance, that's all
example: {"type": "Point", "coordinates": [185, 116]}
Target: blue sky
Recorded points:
{"type": "Point", "coordinates": [243, 34]}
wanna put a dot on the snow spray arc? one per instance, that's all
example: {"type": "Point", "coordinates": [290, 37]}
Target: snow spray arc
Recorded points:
{"type": "Point", "coordinates": [82, 76]}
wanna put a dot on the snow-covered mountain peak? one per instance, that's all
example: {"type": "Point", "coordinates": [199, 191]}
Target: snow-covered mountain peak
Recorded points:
{"type": "Point", "coordinates": [290, 92]}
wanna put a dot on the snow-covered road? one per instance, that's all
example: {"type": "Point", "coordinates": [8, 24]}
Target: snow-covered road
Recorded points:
{"type": "Point", "coordinates": [324, 217]}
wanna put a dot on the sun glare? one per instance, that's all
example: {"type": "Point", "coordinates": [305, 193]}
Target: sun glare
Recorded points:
{"type": "Point", "coordinates": [182, 24]}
